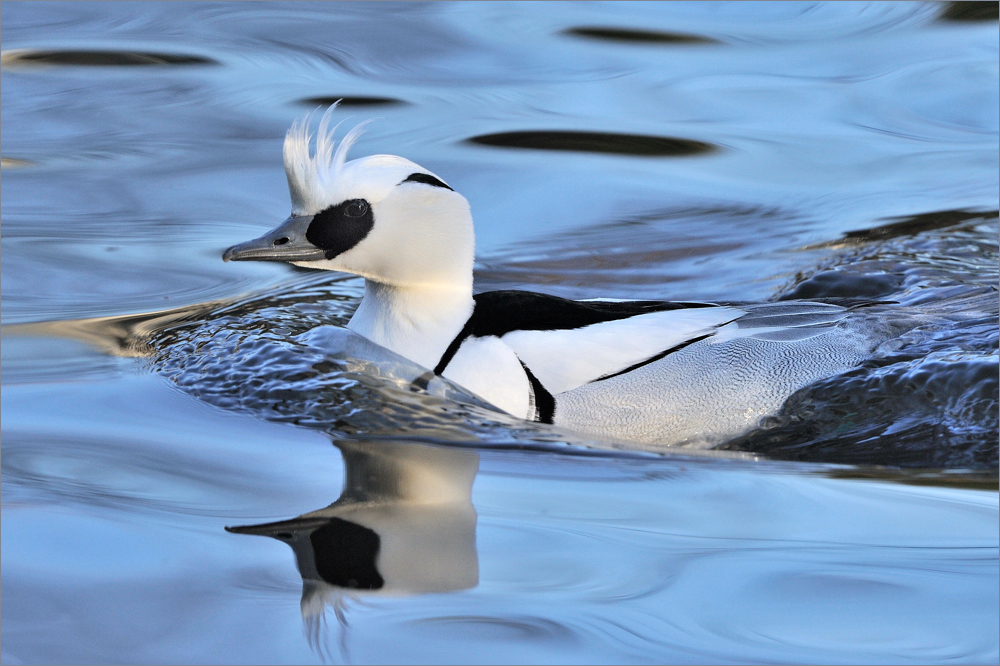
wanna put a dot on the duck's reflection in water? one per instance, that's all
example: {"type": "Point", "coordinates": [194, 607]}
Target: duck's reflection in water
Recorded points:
{"type": "Point", "coordinates": [404, 524]}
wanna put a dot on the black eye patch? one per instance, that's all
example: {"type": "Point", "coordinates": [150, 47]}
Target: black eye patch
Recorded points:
{"type": "Point", "coordinates": [426, 179]}
{"type": "Point", "coordinates": [339, 228]}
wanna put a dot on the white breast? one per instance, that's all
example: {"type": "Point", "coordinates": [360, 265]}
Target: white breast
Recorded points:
{"type": "Point", "coordinates": [491, 370]}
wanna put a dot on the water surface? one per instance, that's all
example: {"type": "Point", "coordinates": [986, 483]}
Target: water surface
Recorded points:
{"type": "Point", "coordinates": [188, 476]}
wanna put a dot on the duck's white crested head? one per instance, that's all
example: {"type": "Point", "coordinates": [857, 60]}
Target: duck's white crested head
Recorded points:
{"type": "Point", "coordinates": [382, 216]}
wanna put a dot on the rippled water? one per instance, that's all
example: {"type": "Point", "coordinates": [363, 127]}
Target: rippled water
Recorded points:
{"type": "Point", "coordinates": [163, 411]}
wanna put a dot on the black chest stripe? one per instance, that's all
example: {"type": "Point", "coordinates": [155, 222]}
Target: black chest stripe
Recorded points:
{"type": "Point", "coordinates": [545, 404]}
{"type": "Point", "coordinates": [452, 349]}
{"type": "Point", "coordinates": [500, 312]}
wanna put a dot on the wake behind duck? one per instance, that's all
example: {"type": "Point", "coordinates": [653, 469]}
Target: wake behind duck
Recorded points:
{"type": "Point", "coordinates": [650, 371]}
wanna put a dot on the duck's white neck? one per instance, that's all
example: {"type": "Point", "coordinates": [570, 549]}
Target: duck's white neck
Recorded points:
{"type": "Point", "coordinates": [418, 322]}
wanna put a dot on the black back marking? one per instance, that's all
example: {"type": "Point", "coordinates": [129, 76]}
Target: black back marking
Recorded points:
{"type": "Point", "coordinates": [339, 228]}
{"type": "Point", "coordinates": [345, 555]}
{"type": "Point", "coordinates": [545, 404]}
{"type": "Point", "coordinates": [426, 179]}
{"type": "Point", "coordinates": [500, 312]}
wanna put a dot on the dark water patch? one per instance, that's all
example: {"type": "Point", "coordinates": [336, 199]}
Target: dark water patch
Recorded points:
{"type": "Point", "coordinates": [94, 58]}
{"type": "Point", "coordinates": [909, 225]}
{"type": "Point", "coordinates": [595, 142]}
{"type": "Point", "coordinates": [830, 284]}
{"type": "Point", "coordinates": [971, 11]}
{"type": "Point", "coordinates": [637, 36]}
{"type": "Point", "coordinates": [349, 101]}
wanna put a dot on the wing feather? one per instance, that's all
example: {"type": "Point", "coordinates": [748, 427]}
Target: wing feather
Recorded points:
{"type": "Point", "coordinates": [567, 358]}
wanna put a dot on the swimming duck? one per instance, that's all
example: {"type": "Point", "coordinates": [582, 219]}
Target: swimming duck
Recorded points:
{"type": "Point", "coordinates": [653, 371]}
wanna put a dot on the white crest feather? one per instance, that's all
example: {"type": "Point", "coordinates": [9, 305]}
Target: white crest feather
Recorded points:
{"type": "Point", "coordinates": [311, 176]}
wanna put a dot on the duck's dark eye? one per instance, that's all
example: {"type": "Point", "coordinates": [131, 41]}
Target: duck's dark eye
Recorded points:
{"type": "Point", "coordinates": [356, 208]}
{"type": "Point", "coordinates": [339, 228]}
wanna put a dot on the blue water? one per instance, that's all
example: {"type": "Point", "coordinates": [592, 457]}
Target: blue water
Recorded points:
{"type": "Point", "coordinates": [154, 396]}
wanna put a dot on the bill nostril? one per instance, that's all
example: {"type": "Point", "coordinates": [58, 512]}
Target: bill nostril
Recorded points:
{"type": "Point", "coordinates": [281, 241]}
